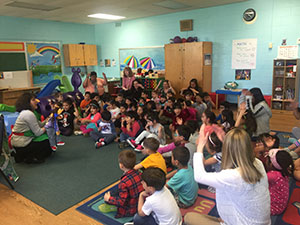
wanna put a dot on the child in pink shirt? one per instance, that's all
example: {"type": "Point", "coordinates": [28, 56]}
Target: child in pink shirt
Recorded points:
{"type": "Point", "coordinates": [89, 123]}
{"type": "Point", "coordinates": [281, 166]}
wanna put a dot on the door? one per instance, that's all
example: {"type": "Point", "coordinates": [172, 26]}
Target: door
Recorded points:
{"type": "Point", "coordinates": [173, 65]}
{"type": "Point", "coordinates": [90, 55]}
{"type": "Point", "coordinates": [192, 63]}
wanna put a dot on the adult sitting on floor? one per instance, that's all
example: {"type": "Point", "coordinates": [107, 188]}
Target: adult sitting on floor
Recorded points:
{"type": "Point", "coordinates": [28, 135]}
{"type": "Point", "coordinates": [94, 84]}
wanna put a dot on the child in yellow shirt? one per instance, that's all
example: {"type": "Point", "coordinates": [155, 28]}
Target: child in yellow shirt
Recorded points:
{"type": "Point", "coordinates": [154, 159]}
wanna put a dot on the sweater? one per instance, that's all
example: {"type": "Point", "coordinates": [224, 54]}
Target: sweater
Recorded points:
{"type": "Point", "coordinates": [262, 114]}
{"type": "Point", "coordinates": [26, 121]}
{"type": "Point", "coordinates": [237, 202]}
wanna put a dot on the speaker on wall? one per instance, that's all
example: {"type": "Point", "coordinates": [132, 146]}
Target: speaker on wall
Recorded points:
{"type": "Point", "coordinates": [186, 25]}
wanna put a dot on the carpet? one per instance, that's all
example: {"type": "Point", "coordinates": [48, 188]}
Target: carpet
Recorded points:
{"type": "Point", "coordinates": [76, 171]}
{"type": "Point", "coordinates": [284, 137]}
{"type": "Point", "coordinates": [205, 204]}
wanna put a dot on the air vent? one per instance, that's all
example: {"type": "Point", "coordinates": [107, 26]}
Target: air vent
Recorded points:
{"type": "Point", "coordinates": [171, 5]}
{"type": "Point", "coordinates": [118, 24]}
{"type": "Point", "coordinates": [186, 25]}
{"type": "Point", "coordinates": [26, 5]}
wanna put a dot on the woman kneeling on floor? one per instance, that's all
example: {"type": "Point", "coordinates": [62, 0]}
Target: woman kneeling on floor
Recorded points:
{"type": "Point", "coordinates": [28, 135]}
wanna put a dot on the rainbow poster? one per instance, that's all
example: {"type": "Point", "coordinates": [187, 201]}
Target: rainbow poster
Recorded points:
{"type": "Point", "coordinates": [44, 59]}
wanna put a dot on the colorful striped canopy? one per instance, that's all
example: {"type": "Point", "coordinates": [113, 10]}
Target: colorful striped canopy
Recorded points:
{"type": "Point", "coordinates": [147, 63]}
{"type": "Point", "coordinates": [131, 61]}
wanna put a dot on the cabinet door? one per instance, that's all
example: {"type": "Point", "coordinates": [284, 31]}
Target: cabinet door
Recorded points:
{"type": "Point", "coordinates": [73, 54]}
{"type": "Point", "coordinates": [173, 65]}
{"type": "Point", "coordinates": [194, 66]}
{"type": "Point", "coordinates": [90, 55]}
{"type": "Point", "coordinates": [192, 63]}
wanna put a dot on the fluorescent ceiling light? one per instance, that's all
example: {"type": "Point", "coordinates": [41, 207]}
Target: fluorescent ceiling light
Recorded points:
{"type": "Point", "coordinates": [106, 16]}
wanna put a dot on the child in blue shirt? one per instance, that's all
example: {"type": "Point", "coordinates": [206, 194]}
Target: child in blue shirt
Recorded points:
{"type": "Point", "coordinates": [182, 183]}
{"type": "Point", "coordinates": [106, 130]}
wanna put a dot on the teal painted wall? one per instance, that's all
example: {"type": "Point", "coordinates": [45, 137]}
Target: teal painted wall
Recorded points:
{"type": "Point", "coordinates": [20, 29]}
{"type": "Point", "coordinates": [276, 20]}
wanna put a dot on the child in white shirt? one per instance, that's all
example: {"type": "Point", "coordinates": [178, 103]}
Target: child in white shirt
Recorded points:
{"type": "Point", "coordinates": [156, 204]}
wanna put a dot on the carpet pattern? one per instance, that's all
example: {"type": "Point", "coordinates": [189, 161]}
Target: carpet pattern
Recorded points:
{"type": "Point", "coordinates": [76, 171]}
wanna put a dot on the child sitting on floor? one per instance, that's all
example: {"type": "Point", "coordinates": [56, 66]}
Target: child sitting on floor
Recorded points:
{"type": "Point", "coordinates": [85, 102]}
{"type": "Point", "coordinates": [183, 183]}
{"type": "Point", "coordinates": [129, 188]}
{"type": "Point", "coordinates": [69, 117]}
{"type": "Point", "coordinates": [130, 127]}
{"type": "Point", "coordinates": [106, 130]}
{"type": "Point", "coordinates": [113, 109]}
{"type": "Point", "coordinates": [89, 123]}
{"type": "Point", "coordinates": [156, 203]}
{"type": "Point", "coordinates": [280, 166]}
{"type": "Point", "coordinates": [154, 158]}
{"type": "Point", "coordinates": [153, 129]}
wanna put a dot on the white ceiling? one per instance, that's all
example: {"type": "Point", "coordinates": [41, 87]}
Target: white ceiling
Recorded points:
{"type": "Point", "coordinates": [77, 10]}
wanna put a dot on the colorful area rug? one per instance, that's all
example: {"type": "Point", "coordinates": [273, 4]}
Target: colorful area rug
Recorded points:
{"type": "Point", "coordinates": [205, 204]}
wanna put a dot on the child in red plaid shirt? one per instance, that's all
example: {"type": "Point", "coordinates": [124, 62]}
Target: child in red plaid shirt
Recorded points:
{"type": "Point", "coordinates": [130, 186]}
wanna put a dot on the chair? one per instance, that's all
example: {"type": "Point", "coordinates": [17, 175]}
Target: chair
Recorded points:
{"type": "Point", "coordinates": [5, 156]}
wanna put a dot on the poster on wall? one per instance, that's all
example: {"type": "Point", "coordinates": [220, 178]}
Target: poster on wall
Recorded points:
{"type": "Point", "coordinates": [243, 74]}
{"type": "Point", "coordinates": [244, 54]}
{"type": "Point", "coordinates": [287, 52]}
{"type": "Point", "coordinates": [144, 57]}
{"type": "Point", "coordinates": [44, 59]}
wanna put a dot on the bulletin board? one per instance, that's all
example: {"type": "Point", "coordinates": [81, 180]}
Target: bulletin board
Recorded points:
{"type": "Point", "coordinates": [144, 57]}
{"type": "Point", "coordinates": [16, 79]}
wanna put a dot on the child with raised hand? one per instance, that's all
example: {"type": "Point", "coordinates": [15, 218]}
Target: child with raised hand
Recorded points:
{"type": "Point", "coordinates": [208, 118]}
{"type": "Point", "coordinates": [130, 127]}
{"type": "Point", "coordinates": [129, 188]}
{"type": "Point", "coordinates": [245, 119]}
{"type": "Point", "coordinates": [156, 204]}
{"type": "Point", "coordinates": [223, 105]}
{"type": "Point", "coordinates": [106, 130]}
{"type": "Point", "coordinates": [214, 147]}
{"type": "Point", "coordinates": [281, 166]}
{"type": "Point", "coordinates": [89, 123]}
{"type": "Point", "coordinates": [228, 121]}
{"type": "Point", "coordinates": [152, 129]}
{"type": "Point", "coordinates": [154, 158]}
{"type": "Point", "coordinates": [183, 185]}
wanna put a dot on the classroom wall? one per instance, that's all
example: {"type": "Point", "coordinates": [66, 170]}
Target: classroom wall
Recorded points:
{"type": "Point", "coordinates": [276, 20]}
{"type": "Point", "coordinates": [21, 29]}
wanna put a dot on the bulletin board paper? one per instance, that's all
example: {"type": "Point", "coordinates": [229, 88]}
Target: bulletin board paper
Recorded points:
{"type": "Point", "coordinates": [244, 54]}
{"type": "Point", "coordinates": [287, 52]}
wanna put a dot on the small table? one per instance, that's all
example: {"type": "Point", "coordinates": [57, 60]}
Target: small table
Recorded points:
{"type": "Point", "coordinates": [237, 92]}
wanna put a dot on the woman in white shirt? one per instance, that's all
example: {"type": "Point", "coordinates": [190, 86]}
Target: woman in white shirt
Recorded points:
{"type": "Point", "coordinates": [242, 194]}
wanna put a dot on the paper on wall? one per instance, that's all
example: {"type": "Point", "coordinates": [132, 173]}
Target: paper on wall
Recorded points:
{"type": "Point", "coordinates": [8, 75]}
{"type": "Point", "coordinates": [244, 54]}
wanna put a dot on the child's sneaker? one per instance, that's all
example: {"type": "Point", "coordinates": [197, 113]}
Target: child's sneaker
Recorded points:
{"type": "Point", "coordinates": [99, 144]}
{"type": "Point", "coordinates": [53, 148]}
{"type": "Point", "coordinates": [139, 148]}
{"type": "Point", "coordinates": [60, 143]}
{"type": "Point", "coordinates": [132, 143]}
{"type": "Point", "coordinates": [78, 132]}
{"type": "Point", "coordinates": [106, 208]}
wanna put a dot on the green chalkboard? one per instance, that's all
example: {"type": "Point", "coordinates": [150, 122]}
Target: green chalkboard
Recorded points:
{"type": "Point", "coordinates": [12, 61]}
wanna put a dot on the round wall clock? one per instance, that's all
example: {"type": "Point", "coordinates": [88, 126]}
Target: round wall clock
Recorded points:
{"type": "Point", "coordinates": [249, 15]}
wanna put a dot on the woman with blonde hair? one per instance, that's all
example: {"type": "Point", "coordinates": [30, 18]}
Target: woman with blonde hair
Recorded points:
{"type": "Point", "coordinates": [242, 194]}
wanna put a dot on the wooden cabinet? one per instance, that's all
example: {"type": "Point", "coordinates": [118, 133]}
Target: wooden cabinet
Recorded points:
{"type": "Point", "coordinates": [80, 55]}
{"type": "Point", "coordinates": [186, 61]}
{"type": "Point", "coordinates": [285, 83]}
{"type": "Point", "coordinates": [90, 55]}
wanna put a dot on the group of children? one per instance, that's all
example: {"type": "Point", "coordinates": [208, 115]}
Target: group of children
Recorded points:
{"type": "Point", "coordinates": [165, 130]}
